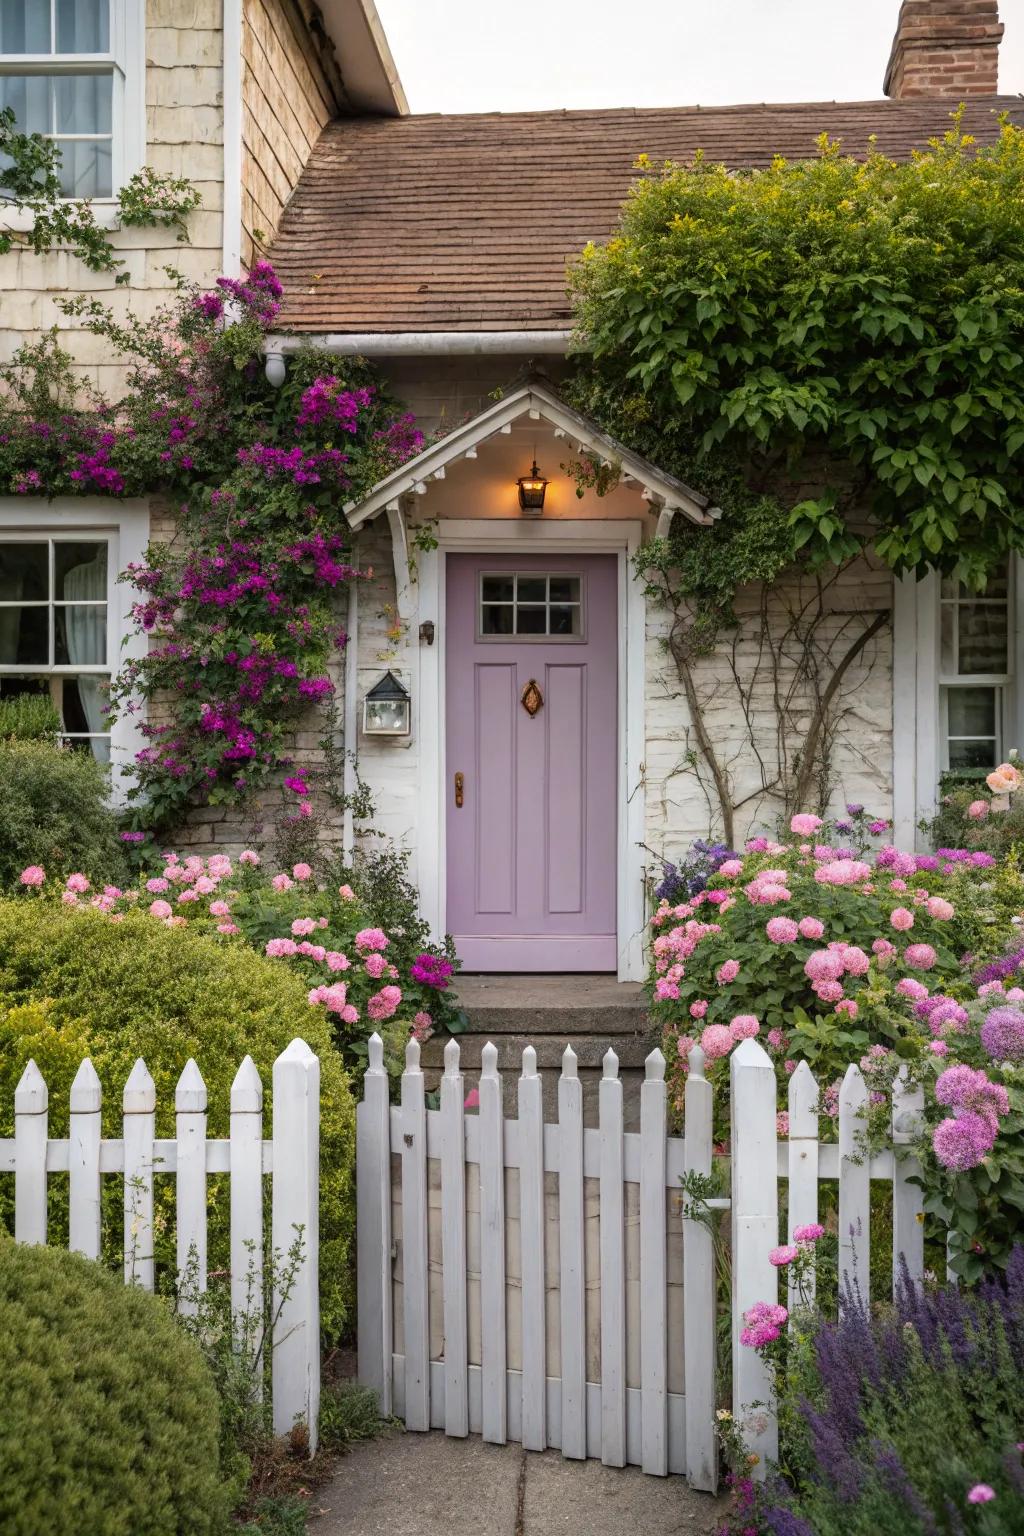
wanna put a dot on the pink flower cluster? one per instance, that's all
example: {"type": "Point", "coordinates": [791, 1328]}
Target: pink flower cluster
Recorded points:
{"type": "Point", "coordinates": [765, 1321]}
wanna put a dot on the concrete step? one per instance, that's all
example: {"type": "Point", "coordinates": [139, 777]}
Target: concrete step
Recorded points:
{"type": "Point", "coordinates": [590, 1013]}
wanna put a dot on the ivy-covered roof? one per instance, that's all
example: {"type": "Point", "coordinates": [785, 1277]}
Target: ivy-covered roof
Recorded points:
{"type": "Point", "coordinates": [467, 223]}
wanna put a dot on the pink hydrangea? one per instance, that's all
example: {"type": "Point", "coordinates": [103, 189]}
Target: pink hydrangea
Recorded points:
{"type": "Point", "coordinates": [157, 884]}
{"type": "Point", "coordinates": [829, 991]}
{"type": "Point", "coordinates": [781, 930]}
{"type": "Point", "coordinates": [824, 965]}
{"type": "Point", "coordinates": [282, 882]}
{"type": "Point", "coordinates": [303, 925]}
{"type": "Point", "coordinates": [920, 956]}
{"type": "Point", "coordinates": [375, 966]}
{"type": "Point", "coordinates": [981, 1493]}
{"type": "Point", "coordinates": [855, 961]}
{"type": "Point", "coordinates": [782, 1123]}
{"type": "Point", "coordinates": [730, 869]}
{"type": "Point", "coordinates": [698, 1009]}
{"type": "Point", "coordinates": [940, 909]}
{"type": "Point", "coordinates": [684, 1045]}
{"type": "Point", "coordinates": [848, 1007]}
{"type": "Point", "coordinates": [249, 856]}
{"type": "Point", "coordinates": [77, 883]}
{"type": "Point", "coordinates": [783, 1255]}
{"type": "Point", "coordinates": [160, 909]}
{"type": "Point", "coordinates": [938, 1047]}
{"type": "Point", "coordinates": [803, 824]}
{"type": "Point", "coordinates": [842, 872]}
{"type": "Point", "coordinates": [205, 886]}
{"type": "Point", "coordinates": [789, 1067]}
{"type": "Point", "coordinates": [883, 948]}
{"type": "Point", "coordinates": [229, 928]}
{"type": "Point", "coordinates": [277, 949]}
{"type": "Point", "coordinates": [909, 986]}
{"type": "Point", "coordinates": [333, 997]}
{"type": "Point", "coordinates": [727, 972]}
{"type": "Point", "coordinates": [371, 938]}
{"type": "Point", "coordinates": [744, 1027]}
{"type": "Point", "coordinates": [302, 872]}
{"type": "Point", "coordinates": [765, 1321]}
{"type": "Point", "coordinates": [809, 1233]}
{"type": "Point", "coordinates": [384, 1004]}
{"type": "Point", "coordinates": [33, 875]}
{"type": "Point", "coordinates": [811, 927]}
{"type": "Point", "coordinates": [69, 898]}
{"type": "Point", "coordinates": [978, 810]}
{"type": "Point", "coordinates": [901, 918]}
{"type": "Point", "coordinates": [219, 909]}
{"type": "Point", "coordinates": [768, 893]}
{"type": "Point", "coordinates": [776, 1039]}
{"type": "Point", "coordinates": [666, 991]}
{"type": "Point", "coordinates": [219, 865]}
{"type": "Point", "coordinates": [715, 1041]}
{"type": "Point", "coordinates": [346, 893]}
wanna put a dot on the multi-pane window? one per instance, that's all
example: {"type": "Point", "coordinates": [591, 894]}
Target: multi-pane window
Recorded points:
{"type": "Point", "coordinates": [531, 606]}
{"type": "Point", "coordinates": [975, 666]}
{"type": "Point", "coordinates": [54, 605]}
{"type": "Point", "coordinates": [60, 75]}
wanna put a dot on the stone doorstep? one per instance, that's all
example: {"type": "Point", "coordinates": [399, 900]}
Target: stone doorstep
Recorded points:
{"type": "Point", "coordinates": [590, 1050]}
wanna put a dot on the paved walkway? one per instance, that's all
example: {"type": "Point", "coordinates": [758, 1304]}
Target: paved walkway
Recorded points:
{"type": "Point", "coordinates": [428, 1485]}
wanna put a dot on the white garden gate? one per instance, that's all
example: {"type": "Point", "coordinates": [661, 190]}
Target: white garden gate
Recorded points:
{"type": "Point", "coordinates": [533, 1282]}
{"type": "Point", "coordinates": [541, 1284]}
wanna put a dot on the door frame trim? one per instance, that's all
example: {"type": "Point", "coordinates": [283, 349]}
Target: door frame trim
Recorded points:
{"type": "Point", "coordinates": [620, 537]}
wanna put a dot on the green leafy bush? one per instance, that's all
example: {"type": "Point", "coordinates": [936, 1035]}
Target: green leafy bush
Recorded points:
{"type": "Point", "coordinates": [54, 811]}
{"type": "Point", "coordinates": [28, 717]}
{"type": "Point", "coordinates": [110, 1419]}
{"type": "Point", "coordinates": [74, 983]}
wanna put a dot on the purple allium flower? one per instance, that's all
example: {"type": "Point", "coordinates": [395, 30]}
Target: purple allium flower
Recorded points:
{"type": "Point", "coordinates": [1002, 1035]}
{"type": "Point", "coordinates": [963, 1142]}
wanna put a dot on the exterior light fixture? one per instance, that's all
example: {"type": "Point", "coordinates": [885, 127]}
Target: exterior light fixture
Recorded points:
{"type": "Point", "coordinates": [387, 708]}
{"type": "Point", "coordinates": [531, 492]}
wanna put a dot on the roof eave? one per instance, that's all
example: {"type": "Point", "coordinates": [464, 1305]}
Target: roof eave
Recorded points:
{"type": "Point", "coordinates": [364, 56]}
{"type": "Point", "coordinates": [664, 491]}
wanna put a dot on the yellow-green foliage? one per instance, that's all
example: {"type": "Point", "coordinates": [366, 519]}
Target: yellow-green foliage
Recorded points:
{"type": "Point", "coordinates": [110, 1419]}
{"type": "Point", "coordinates": [74, 984]}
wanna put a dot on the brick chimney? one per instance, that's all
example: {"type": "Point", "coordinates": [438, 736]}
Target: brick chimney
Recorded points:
{"type": "Point", "coordinates": [945, 48]}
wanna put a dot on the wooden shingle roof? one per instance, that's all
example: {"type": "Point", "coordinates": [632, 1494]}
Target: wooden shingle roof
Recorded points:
{"type": "Point", "coordinates": [467, 223]}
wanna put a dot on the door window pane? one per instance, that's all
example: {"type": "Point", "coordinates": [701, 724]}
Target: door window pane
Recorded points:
{"type": "Point", "coordinates": [531, 605]}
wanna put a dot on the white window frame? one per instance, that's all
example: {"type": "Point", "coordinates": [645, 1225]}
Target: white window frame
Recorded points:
{"type": "Point", "coordinates": [126, 62]}
{"type": "Point", "coordinates": [920, 749]}
{"type": "Point", "coordinates": [1001, 682]}
{"type": "Point", "coordinates": [125, 527]}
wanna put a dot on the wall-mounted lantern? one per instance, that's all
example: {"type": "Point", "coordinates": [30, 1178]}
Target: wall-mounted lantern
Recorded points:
{"type": "Point", "coordinates": [387, 708]}
{"type": "Point", "coordinates": [531, 492]}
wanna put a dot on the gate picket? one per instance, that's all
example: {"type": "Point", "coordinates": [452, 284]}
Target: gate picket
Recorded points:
{"type": "Point", "coordinates": [415, 1295]}
{"type": "Point", "coordinates": [571, 1239]}
{"type": "Point", "coordinates": [699, 1288]}
{"type": "Point", "coordinates": [803, 1162]}
{"type": "Point", "coordinates": [494, 1389]}
{"type": "Point", "coordinates": [531, 1221]}
{"type": "Point", "coordinates": [84, 1162]}
{"type": "Point", "coordinates": [653, 1299]}
{"type": "Point", "coordinates": [907, 1198]}
{"type": "Point", "coordinates": [854, 1187]}
{"type": "Point", "coordinates": [613, 1267]}
{"type": "Point", "coordinates": [453, 1244]}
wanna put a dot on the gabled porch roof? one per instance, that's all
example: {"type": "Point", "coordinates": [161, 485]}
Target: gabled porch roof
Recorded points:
{"type": "Point", "coordinates": [538, 402]}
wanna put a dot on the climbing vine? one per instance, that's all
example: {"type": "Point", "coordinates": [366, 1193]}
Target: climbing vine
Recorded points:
{"type": "Point", "coordinates": [241, 604]}
{"type": "Point", "coordinates": [30, 182]}
{"type": "Point", "coordinates": [831, 349]}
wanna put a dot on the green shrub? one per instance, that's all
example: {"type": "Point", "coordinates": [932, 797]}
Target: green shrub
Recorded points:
{"type": "Point", "coordinates": [28, 717]}
{"type": "Point", "coordinates": [54, 811]}
{"type": "Point", "coordinates": [73, 983]}
{"type": "Point", "coordinates": [110, 1418]}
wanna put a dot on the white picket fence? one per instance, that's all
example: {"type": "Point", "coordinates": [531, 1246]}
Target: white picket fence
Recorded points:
{"type": "Point", "coordinates": [612, 1185]}
{"type": "Point", "coordinates": [290, 1158]}
{"type": "Point", "coordinates": [436, 1286]}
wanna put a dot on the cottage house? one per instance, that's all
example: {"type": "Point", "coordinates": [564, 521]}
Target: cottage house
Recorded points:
{"type": "Point", "coordinates": [531, 742]}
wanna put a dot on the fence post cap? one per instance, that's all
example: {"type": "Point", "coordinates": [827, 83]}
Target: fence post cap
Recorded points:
{"type": "Point", "coordinates": [749, 1053]}
{"type": "Point", "coordinates": [139, 1096]}
{"type": "Point", "coordinates": [31, 1096]}
{"type": "Point", "coordinates": [412, 1054]}
{"type": "Point", "coordinates": [529, 1061]}
{"type": "Point", "coordinates": [609, 1064]}
{"type": "Point", "coordinates": [854, 1089]}
{"type": "Point", "coordinates": [489, 1060]}
{"type": "Point", "coordinates": [375, 1053]}
{"type": "Point", "coordinates": [247, 1089]}
{"type": "Point", "coordinates": [190, 1093]}
{"type": "Point", "coordinates": [297, 1050]}
{"type": "Point", "coordinates": [86, 1093]}
{"type": "Point", "coordinates": [695, 1062]}
{"type": "Point", "coordinates": [654, 1066]}
{"type": "Point", "coordinates": [451, 1058]}
{"type": "Point", "coordinates": [569, 1064]}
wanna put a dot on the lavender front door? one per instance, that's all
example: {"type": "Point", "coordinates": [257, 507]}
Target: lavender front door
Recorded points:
{"type": "Point", "coordinates": [531, 761]}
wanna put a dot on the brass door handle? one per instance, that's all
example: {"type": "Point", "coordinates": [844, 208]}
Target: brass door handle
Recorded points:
{"type": "Point", "coordinates": [460, 783]}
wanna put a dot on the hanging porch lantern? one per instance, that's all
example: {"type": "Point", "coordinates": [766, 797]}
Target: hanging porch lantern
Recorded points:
{"type": "Point", "coordinates": [387, 708]}
{"type": "Point", "coordinates": [531, 492]}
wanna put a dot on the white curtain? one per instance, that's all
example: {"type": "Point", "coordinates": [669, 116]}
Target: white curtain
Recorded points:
{"type": "Point", "coordinates": [87, 636]}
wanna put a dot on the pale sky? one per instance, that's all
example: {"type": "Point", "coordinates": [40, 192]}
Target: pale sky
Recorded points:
{"type": "Point", "coordinates": [489, 55]}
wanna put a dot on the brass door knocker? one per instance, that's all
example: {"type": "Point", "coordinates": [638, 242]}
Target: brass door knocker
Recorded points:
{"type": "Point", "coordinates": [531, 698]}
